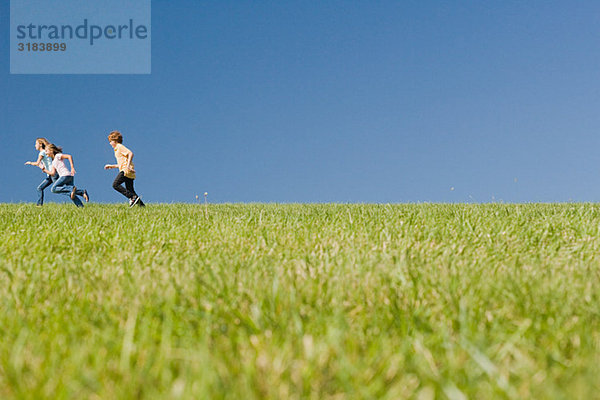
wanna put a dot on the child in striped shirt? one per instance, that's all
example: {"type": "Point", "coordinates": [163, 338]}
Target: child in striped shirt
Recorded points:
{"type": "Point", "coordinates": [65, 184]}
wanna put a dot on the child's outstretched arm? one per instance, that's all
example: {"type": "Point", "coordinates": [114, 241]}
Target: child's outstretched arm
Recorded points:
{"type": "Point", "coordinates": [36, 163]}
{"type": "Point", "coordinates": [111, 166]}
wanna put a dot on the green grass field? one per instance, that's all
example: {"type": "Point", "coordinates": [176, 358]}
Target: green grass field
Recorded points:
{"type": "Point", "coordinates": [300, 301]}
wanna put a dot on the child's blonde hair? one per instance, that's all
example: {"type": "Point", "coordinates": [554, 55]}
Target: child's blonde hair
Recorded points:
{"type": "Point", "coordinates": [54, 149]}
{"type": "Point", "coordinates": [43, 142]}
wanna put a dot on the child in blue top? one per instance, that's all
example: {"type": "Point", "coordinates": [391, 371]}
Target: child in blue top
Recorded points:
{"type": "Point", "coordinates": [43, 161]}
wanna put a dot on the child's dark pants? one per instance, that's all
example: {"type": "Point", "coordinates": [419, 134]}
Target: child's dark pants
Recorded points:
{"type": "Point", "coordinates": [126, 191]}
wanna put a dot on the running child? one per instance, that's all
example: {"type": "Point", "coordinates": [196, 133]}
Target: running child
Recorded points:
{"type": "Point", "coordinates": [65, 184]}
{"type": "Point", "coordinates": [126, 169]}
{"type": "Point", "coordinates": [43, 161]}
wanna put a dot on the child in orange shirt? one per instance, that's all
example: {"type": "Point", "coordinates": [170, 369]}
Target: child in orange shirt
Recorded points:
{"type": "Point", "coordinates": [126, 169]}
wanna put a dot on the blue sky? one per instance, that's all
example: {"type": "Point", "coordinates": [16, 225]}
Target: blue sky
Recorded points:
{"type": "Point", "coordinates": [332, 101]}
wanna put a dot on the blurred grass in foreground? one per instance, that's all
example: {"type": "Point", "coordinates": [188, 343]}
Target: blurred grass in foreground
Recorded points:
{"type": "Point", "coordinates": [300, 301]}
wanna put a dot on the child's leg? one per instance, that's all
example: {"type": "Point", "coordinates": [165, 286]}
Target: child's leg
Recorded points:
{"type": "Point", "coordinates": [40, 189]}
{"type": "Point", "coordinates": [63, 185]}
{"type": "Point", "coordinates": [117, 185]}
{"type": "Point", "coordinates": [77, 201]}
{"type": "Point", "coordinates": [130, 189]}
{"type": "Point", "coordinates": [129, 186]}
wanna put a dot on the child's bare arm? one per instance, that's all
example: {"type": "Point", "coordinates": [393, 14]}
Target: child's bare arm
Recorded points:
{"type": "Point", "coordinates": [51, 172]}
{"type": "Point", "coordinates": [111, 166]}
{"type": "Point", "coordinates": [129, 158]}
{"type": "Point", "coordinates": [68, 157]}
{"type": "Point", "coordinates": [36, 163]}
